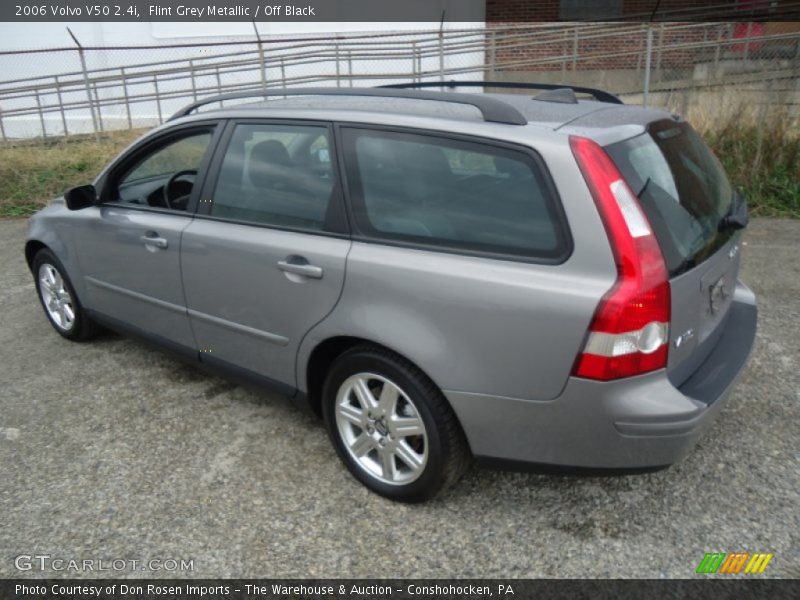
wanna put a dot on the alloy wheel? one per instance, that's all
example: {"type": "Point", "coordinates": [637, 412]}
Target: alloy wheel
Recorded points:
{"type": "Point", "coordinates": [56, 297]}
{"type": "Point", "coordinates": [381, 429]}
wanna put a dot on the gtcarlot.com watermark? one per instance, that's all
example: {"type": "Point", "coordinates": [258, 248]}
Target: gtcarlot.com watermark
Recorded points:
{"type": "Point", "coordinates": [47, 562]}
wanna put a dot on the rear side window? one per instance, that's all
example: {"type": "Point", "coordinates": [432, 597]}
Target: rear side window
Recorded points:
{"type": "Point", "coordinates": [276, 174]}
{"type": "Point", "coordinates": [438, 191]}
{"type": "Point", "coordinates": [682, 188]}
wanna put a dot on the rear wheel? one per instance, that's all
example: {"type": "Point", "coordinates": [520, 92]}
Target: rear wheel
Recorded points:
{"type": "Point", "coordinates": [392, 426]}
{"type": "Point", "coordinates": [59, 300]}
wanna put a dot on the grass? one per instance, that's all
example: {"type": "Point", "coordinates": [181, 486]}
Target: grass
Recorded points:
{"type": "Point", "coordinates": [764, 162]}
{"type": "Point", "coordinates": [34, 172]}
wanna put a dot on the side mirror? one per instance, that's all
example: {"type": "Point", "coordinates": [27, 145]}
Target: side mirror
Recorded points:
{"type": "Point", "coordinates": [80, 197]}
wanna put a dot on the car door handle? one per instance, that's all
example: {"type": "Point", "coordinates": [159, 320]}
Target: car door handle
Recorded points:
{"type": "Point", "coordinates": [300, 268]}
{"type": "Point", "coordinates": [154, 240]}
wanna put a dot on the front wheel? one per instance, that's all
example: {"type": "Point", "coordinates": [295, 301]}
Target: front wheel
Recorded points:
{"type": "Point", "coordinates": [391, 426]}
{"type": "Point", "coordinates": [58, 298]}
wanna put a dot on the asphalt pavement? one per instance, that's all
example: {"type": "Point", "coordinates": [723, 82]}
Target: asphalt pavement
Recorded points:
{"type": "Point", "coordinates": [112, 450]}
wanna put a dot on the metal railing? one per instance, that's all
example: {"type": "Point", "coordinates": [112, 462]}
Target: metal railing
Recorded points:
{"type": "Point", "coordinates": [91, 89]}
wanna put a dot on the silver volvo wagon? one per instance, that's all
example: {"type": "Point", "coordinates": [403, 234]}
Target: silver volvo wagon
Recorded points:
{"type": "Point", "coordinates": [545, 279]}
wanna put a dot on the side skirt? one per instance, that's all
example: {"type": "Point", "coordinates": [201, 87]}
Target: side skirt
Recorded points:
{"type": "Point", "coordinates": [192, 356]}
{"type": "Point", "coordinates": [520, 466]}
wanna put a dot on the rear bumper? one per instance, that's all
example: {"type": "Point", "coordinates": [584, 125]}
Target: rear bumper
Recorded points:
{"type": "Point", "coordinates": [638, 423]}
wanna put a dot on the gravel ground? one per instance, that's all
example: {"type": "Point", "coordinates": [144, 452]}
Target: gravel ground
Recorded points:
{"type": "Point", "coordinates": [115, 450]}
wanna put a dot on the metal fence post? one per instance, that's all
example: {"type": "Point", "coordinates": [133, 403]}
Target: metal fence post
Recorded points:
{"type": "Point", "coordinates": [191, 76]}
{"type": "Point", "coordinates": [86, 83]}
{"type": "Point", "coordinates": [747, 42]}
{"type": "Point", "coordinates": [639, 58]}
{"type": "Point", "coordinates": [99, 112]}
{"type": "Point", "coordinates": [61, 106]}
{"type": "Point", "coordinates": [261, 61]}
{"type": "Point", "coordinates": [415, 76]}
{"type": "Point", "coordinates": [41, 114]}
{"type": "Point", "coordinates": [492, 58]}
{"type": "Point", "coordinates": [336, 57]}
{"type": "Point", "coordinates": [660, 52]}
{"type": "Point", "coordinates": [2, 127]}
{"type": "Point", "coordinates": [158, 99]}
{"type": "Point", "coordinates": [127, 99]}
{"type": "Point", "coordinates": [575, 49]}
{"type": "Point", "coordinates": [350, 67]}
{"type": "Point", "coordinates": [441, 48]}
{"type": "Point", "coordinates": [441, 56]}
{"type": "Point", "coordinates": [647, 63]}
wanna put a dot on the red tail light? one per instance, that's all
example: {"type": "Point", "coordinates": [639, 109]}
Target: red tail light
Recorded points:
{"type": "Point", "coordinates": [630, 330]}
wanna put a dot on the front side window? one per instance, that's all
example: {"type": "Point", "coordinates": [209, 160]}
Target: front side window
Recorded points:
{"type": "Point", "coordinates": [165, 176]}
{"type": "Point", "coordinates": [444, 192]}
{"type": "Point", "coordinates": [276, 174]}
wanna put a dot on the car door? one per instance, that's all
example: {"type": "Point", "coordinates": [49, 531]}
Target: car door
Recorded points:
{"type": "Point", "coordinates": [264, 259]}
{"type": "Point", "coordinates": [129, 245]}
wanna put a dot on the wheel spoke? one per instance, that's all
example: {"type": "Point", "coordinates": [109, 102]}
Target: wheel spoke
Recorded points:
{"type": "Point", "coordinates": [387, 402]}
{"type": "Point", "coordinates": [352, 414]}
{"type": "Point", "coordinates": [68, 312]}
{"type": "Point", "coordinates": [364, 394]}
{"type": "Point", "coordinates": [361, 445]}
{"type": "Point", "coordinates": [404, 452]}
{"type": "Point", "coordinates": [388, 465]}
{"type": "Point", "coordinates": [406, 426]}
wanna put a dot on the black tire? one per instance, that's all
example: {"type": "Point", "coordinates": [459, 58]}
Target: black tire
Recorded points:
{"type": "Point", "coordinates": [448, 455]}
{"type": "Point", "coordinates": [82, 327]}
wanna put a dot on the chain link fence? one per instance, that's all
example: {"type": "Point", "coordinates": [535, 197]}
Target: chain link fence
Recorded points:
{"type": "Point", "coordinates": [711, 72]}
{"type": "Point", "coordinates": [704, 70]}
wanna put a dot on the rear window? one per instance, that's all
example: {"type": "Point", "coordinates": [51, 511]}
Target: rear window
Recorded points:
{"type": "Point", "coordinates": [682, 188]}
{"type": "Point", "coordinates": [444, 192]}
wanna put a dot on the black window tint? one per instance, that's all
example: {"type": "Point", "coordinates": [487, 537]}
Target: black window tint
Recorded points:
{"type": "Point", "coordinates": [445, 192]}
{"type": "Point", "coordinates": [276, 174]}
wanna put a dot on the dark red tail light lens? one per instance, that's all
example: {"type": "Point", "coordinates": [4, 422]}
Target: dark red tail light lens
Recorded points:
{"type": "Point", "coordinates": [629, 333]}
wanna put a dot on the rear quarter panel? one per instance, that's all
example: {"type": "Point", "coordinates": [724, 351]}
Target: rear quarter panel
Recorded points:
{"type": "Point", "coordinates": [476, 324]}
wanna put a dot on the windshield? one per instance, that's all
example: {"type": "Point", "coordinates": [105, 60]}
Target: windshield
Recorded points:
{"type": "Point", "coordinates": [682, 188]}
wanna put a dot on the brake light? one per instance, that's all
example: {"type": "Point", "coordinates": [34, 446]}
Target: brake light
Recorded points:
{"type": "Point", "coordinates": [630, 330]}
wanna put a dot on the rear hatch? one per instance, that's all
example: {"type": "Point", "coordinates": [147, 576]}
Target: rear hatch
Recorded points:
{"type": "Point", "coordinates": [696, 216]}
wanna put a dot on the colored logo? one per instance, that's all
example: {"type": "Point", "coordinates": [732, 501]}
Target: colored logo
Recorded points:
{"type": "Point", "coordinates": [733, 563]}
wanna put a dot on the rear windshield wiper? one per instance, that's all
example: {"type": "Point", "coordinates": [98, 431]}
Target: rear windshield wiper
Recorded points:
{"type": "Point", "coordinates": [737, 217]}
{"type": "Point", "coordinates": [644, 187]}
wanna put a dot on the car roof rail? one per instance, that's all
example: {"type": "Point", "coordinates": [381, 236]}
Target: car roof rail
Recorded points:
{"type": "Point", "coordinates": [492, 109]}
{"type": "Point", "coordinates": [600, 95]}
